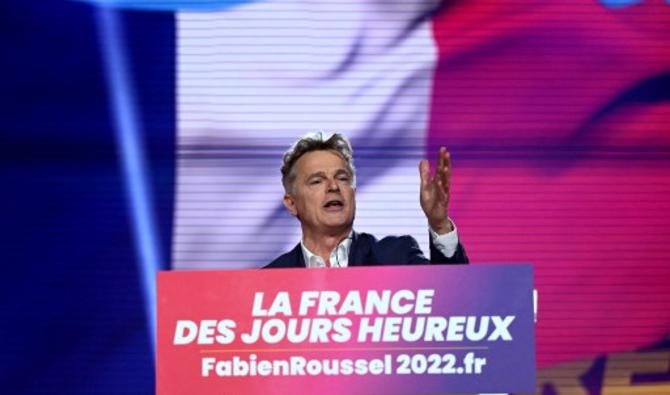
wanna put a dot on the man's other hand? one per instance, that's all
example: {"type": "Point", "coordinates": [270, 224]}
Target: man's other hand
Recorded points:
{"type": "Point", "coordinates": [434, 194]}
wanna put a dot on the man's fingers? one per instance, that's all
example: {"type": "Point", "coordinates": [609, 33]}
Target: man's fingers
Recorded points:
{"type": "Point", "coordinates": [443, 189]}
{"type": "Point", "coordinates": [424, 171]}
{"type": "Point", "coordinates": [440, 159]}
{"type": "Point", "coordinates": [445, 176]}
{"type": "Point", "coordinates": [445, 171]}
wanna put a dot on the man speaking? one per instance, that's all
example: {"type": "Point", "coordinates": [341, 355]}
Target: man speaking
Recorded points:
{"type": "Point", "coordinates": [319, 181]}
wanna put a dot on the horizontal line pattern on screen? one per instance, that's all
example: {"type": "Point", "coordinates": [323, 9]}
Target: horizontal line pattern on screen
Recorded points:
{"type": "Point", "coordinates": [588, 86]}
{"type": "Point", "coordinates": [552, 112]}
{"type": "Point", "coordinates": [254, 79]}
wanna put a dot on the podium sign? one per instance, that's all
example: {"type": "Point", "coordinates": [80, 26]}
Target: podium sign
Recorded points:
{"type": "Point", "coordinates": [361, 330]}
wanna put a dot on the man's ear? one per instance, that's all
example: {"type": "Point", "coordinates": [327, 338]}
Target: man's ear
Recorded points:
{"type": "Point", "coordinates": [289, 203]}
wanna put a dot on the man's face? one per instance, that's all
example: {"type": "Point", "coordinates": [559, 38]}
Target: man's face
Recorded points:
{"type": "Point", "coordinates": [322, 196]}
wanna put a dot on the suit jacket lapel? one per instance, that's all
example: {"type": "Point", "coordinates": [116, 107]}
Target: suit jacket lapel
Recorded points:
{"type": "Point", "coordinates": [297, 257]}
{"type": "Point", "coordinates": [360, 251]}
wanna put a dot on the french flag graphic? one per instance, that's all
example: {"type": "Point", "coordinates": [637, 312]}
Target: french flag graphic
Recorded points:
{"type": "Point", "coordinates": [557, 115]}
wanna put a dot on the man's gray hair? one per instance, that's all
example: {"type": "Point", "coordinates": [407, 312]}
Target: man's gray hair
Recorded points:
{"type": "Point", "coordinates": [316, 142]}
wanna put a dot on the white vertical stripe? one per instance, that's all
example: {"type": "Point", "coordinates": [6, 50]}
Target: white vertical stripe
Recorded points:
{"type": "Point", "coordinates": [253, 79]}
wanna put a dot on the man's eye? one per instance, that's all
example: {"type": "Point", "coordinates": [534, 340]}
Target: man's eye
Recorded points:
{"type": "Point", "coordinates": [344, 178]}
{"type": "Point", "coordinates": [315, 182]}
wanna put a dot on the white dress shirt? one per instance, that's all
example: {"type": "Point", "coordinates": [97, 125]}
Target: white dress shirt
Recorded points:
{"type": "Point", "coordinates": [339, 257]}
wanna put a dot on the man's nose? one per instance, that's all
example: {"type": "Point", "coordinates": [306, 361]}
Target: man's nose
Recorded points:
{"type": "Point", "coordinates": [333, 186]}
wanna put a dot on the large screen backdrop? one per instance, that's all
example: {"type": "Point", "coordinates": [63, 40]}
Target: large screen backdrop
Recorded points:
{"type": "Point", "coordinates": [557, 115]}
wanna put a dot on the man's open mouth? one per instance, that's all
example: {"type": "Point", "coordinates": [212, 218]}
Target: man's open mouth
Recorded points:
{"type": "Point", "coordinates": [334, 204]}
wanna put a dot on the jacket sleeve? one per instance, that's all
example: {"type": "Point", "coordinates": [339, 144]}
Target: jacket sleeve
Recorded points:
{"type": "Point", "coordinates": [414, 255]}
{"type": "Point", "coordinates": [459, 257]}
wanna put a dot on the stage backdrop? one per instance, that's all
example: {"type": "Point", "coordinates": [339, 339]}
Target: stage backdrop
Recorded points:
{"type": "Point", "coordinates": [557, 116]}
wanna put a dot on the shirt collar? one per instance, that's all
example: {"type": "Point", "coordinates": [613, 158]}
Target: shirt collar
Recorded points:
{"type": "Point", "coordinates": [339, 257]}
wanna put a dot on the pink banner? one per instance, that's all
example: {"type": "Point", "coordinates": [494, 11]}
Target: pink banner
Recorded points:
{"type": "Point", "coordinates": [382, 330]}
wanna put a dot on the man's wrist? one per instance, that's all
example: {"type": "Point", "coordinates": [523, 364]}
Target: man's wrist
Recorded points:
{"type": "Point", "coordinates": [446, 243]}
{"type": "Point", "coordinates": [442, 227]}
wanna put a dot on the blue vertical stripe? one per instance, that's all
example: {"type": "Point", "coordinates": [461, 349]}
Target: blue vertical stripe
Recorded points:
{"type": "Point", "coordinates": [131, 153]}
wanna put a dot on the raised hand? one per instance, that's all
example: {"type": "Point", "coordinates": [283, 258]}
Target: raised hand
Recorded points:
{"type": "Point", "coordinates": [434, 193]}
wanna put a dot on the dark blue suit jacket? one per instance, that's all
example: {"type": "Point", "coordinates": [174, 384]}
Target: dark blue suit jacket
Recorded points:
{"type": "Point", "coordinates": [366, 250]}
